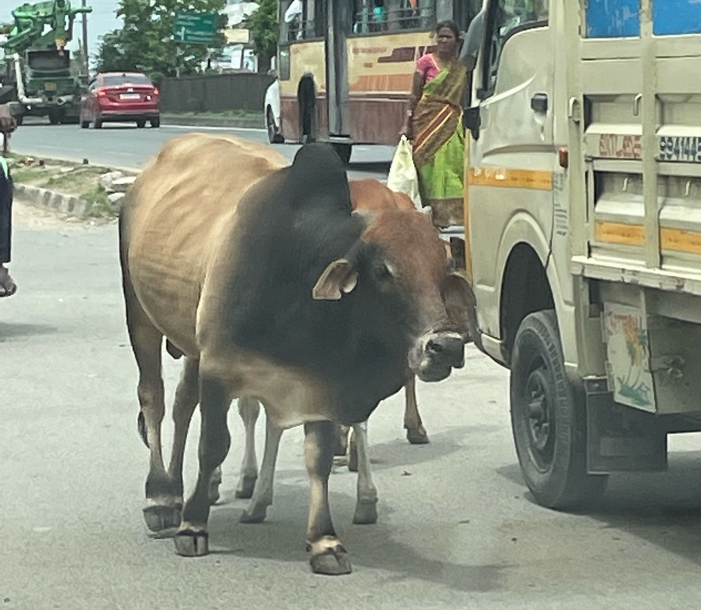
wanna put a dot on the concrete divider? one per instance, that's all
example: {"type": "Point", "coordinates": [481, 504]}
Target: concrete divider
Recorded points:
{"type": "Point", "coordinates": [61, 202]}
{"type": "Point", "coordinates": [210, 121]}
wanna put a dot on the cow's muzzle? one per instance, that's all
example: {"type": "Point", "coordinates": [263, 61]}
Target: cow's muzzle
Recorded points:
{"type": "Point", "coordinates": [436, 354]}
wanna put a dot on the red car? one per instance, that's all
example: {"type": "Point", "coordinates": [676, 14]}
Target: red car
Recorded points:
{"type": "Point", "coordinates": [120, 97]}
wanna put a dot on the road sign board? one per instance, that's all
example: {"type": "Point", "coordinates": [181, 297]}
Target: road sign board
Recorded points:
{"type": "Point", "coordinates": [195, 28]}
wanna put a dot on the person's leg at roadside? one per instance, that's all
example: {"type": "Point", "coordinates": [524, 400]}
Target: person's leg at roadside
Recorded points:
{"type": "Point", "coordinates": [7, 285]}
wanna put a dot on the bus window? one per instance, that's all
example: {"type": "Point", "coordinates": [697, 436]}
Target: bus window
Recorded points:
{"type": "Point", "coordinates": [392, 15]}
{"type": "Point", "coordinates": [302, 20]}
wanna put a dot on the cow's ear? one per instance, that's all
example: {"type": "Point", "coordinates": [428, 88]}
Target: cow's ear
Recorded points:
{"type": "Point", "coordinates": [459, 301]}
{"type": "Point", "coordinates": [337, 279]}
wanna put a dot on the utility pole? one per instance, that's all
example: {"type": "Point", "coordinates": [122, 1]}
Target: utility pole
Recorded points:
{"type": "Point", "coordinates": [86, 57]}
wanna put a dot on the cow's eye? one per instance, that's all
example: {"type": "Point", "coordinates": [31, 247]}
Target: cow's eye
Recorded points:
{"type": "Point", "coordinates": [383, 271]}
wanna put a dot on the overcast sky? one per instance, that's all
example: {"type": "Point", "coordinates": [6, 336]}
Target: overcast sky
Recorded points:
{"type": "Point", "coordinates": [100, 21]}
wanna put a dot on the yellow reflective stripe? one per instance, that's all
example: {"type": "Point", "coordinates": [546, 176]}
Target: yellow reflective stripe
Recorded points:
{"type": "Point", "coordinates": [619, 233]}
{"type": "Point", "coordinates": [541, 180]}
{"type": "Point", "coordinates": [680, 240]}
{"type": "Point", "coordinates": [677, 240]}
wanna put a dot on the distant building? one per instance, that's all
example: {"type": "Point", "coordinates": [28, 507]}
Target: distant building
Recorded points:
{"type": "Point", "coordinates": [238, 53]}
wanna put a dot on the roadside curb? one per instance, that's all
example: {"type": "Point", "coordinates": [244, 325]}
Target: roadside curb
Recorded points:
{"type": "Point", "coordinates": [61, 202]}
{"type": "Point", "coordinates": [201, 121]}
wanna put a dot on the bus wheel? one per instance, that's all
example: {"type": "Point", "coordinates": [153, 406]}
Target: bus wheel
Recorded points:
{"type": "Point", "coordinates": [548, 419]}
{"type": "Point", "coordinates": [344, 152]}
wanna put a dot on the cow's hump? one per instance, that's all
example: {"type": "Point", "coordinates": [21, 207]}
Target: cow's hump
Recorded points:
{"type": "Point", "coordinates": [318, 177]}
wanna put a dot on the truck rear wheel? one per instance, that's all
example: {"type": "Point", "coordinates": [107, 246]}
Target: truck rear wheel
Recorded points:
{"type": "Point", "coordinates": [548, 419]}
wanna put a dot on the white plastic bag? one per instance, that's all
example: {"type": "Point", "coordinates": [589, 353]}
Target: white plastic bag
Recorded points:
{"type": "Point", "coordinates": [403, 174]}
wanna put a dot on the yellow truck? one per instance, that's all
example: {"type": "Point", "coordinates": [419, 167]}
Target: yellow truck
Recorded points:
{"type": "Point", "coordinates": [582, 230]}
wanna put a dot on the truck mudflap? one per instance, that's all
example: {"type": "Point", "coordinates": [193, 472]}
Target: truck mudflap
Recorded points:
{"type": "Point", "coordinates": [620, 439]}
{"type": "Point", "coordinates": [653, 361]}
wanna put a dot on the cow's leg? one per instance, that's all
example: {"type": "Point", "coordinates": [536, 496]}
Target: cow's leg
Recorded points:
{"type": "Point", "coordinates": [249, 409]}
{"type": "Point", "coordinates": [263, 492]}
{"type": "Point", "coordinates": [341, 452]}
{"type": "Point", "coordinates": [186, 398]}
{"type": "Point", "coordinates": [215, 482]}
{"type": "Point", "coordinates": [416, 434]}
{"type": "Point", "coordinates": [160, 511]}
{"type": "Point", "coordinates": [327, 555]}
{"type": "Point", "coordinates": [191, 538]}
{"type": "Point", "coordinates": [366, 493]}
{"type": "Point", "coordinates": [353, 452]}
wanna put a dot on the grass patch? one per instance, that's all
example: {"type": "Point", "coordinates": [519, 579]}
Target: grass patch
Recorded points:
{"type": "Point", "coordinates": [82, 181]}
{"type": "Point", "coordinates": [75, 182]}
{"type": "Point", "coordinates": [101, 207]}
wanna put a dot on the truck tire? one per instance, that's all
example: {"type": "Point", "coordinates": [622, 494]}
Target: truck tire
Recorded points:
{"type": "Point", "coordinates": [548, 419]}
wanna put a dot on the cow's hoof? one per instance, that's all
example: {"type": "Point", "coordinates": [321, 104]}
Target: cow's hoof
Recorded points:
{"type": "Point", "coordinates": [159, 518]}
{"type": "Point", "coordinates": [245, 488]}
{"type": "Point", "coordinates": [255, 514]}
{"type": "Point", "coordinates": [332, 562]}
{"type": "Point", "coordinates": [190, 543]}
{"type": "Point", "coordinates": [366, 512]}
{"type": "Point", "coordinates": [417, 436]}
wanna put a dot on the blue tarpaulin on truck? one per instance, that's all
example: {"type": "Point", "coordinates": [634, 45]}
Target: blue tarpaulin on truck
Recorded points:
{"type": "Point", "coordinates": [621, 18]}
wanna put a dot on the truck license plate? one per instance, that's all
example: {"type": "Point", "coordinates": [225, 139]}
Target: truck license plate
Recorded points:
{"type": "Point", "coordinates": [49, 86]}
{"type": "Point", "coordinates": [680, 148]}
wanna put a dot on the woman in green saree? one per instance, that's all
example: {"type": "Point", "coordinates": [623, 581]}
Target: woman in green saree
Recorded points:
{"type": "Point", "coordinates": [434, 124]}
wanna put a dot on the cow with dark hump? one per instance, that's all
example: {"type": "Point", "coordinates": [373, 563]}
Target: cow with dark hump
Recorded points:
{"type": "Point", "coordinates": [269, 284]}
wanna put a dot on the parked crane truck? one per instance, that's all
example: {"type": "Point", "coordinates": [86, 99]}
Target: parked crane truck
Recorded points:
{"type": "Point", "coordinates": [37, 65]}
{"type": "Point", "coordinates": [582, 231]}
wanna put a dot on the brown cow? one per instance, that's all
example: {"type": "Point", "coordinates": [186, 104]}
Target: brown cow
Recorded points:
{"type": "Point", "coordinates": [268, 283]}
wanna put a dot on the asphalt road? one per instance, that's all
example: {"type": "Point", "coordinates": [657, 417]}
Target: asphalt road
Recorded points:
{"type": "Point", "coordinates": [457, 528]}
{"type": "Point", "coordinates": [123, 145]}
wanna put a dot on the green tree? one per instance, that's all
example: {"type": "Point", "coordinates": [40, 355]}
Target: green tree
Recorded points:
{"type": "Point", "coordinates": [263, 25]}
{"type": "Point", "coordinates": [144, 43]}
